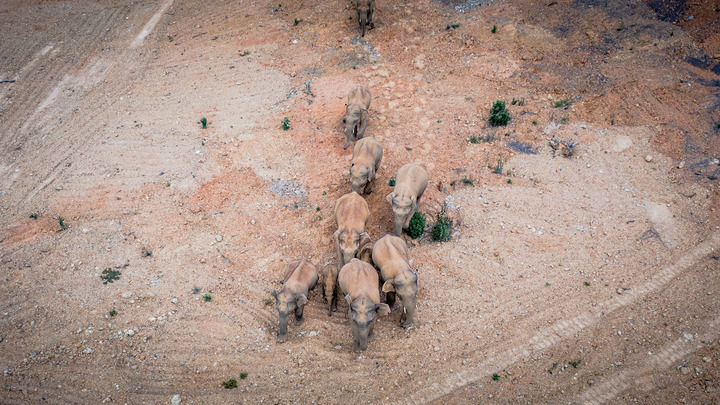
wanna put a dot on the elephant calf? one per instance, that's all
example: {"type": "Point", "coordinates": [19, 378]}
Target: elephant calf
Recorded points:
{"type": "Point", "coordinates": [365, 10]}
{"type": "Point", "coordinates": [300, 277]}
{"type": "Point", "coordinates": [359, 283]}
{"type": "Point", "coordinates": [366, 159]}
{"type": "Point", "coordinates": [356, 114]}
{"type": "Point", "coordinates": [390, 254]}
{"type": "Point", "coordinates": [351, 215]}
{"type": "Point", "coordinates": [410, 183]}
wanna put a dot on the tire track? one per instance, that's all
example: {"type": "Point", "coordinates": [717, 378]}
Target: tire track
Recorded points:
{"type": "Point", "coordinates": [668, 356]}
{"type": "Point", "coordinates": [562, 329]}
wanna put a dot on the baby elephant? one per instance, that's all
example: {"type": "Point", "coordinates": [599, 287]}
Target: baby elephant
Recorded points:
{"type": "Point", "coordinates": [328, 276]}
{"type": "Point", "coordinates": [390, 254]}
{"type": "Point", "coordinates": [365, 10]}
{"type": "Point", "coordinates": [410, 183]}
{"type": "Point", "coordinates": [367, 156]}
{"type": "Point", "coordinates": [356, 114]}
{"type": "Point", "coordinates": [351, 214]}
{"type": "Point", "coordinates": [300, 277]}
{"type": "Point", "coordinates": [359, 283]}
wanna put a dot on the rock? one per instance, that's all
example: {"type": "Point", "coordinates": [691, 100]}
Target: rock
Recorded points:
{"type": "Point", "coordinates": [218, 238]}
{"type": "Point", "coordinates": [648, 158]}
{"type": "Point", "coordinates": [88, 350]}
{"type": "Point", "coordinates": [681, 164]}
{"type": "Point", "coordinates": [174, 300]}
{"type": "Point", "coordinates": [127, 294]}
{"type": "Point", "coordinates": [706, 359]}
{"type": "Point", "coordinates": [129, 332]}
{"type": "Point", "coordinates": [619, 290]}
{"type": "Point", "coordinates": [688, 336]}
{"type": "Point", "coordinates": [685, 370]}
{"type": "Point", "coordinates": [175, 400]}
{"type": "Point", "coordinates": [410, 372]}
{"type": "Point", "coordinates": [436, 348]}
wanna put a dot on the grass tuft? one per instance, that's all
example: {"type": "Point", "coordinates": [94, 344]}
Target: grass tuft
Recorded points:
{"type": "Point", "coordinates": [562, 103]}
{"type": "Point", "coordinates": [109, 275]}
{"type": "Point", "coordinates": [442, 230]}
{"type": "Point", "coordinates": [230, 384]}
{"type": "Point", "coordinates": [203, 122]}
{"type": "Point", "coordinates": [286, 124]}
{"type": "Point", "coordinates": [207, 297]}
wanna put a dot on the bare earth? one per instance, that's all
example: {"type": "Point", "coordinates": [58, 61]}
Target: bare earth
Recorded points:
{"type": "Point", "coordinates": [588, 279]}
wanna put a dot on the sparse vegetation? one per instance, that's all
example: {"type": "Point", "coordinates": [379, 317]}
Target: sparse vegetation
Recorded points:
{"type": "Point", "coordinates": [562, 103]}
{"type": "Point", "coordinates": [442, 230]}
{"type": "Point", "coordinates": [207, 297]}
{"type": "Point", "coordinates": [268, 302]}
{"type": "Point", "coordinates": [196, 290]}
{"type": "Point", "coordinates": [61, 222]}
{"type": "Point", "coordinates": [534, 122]}
{"type": "Point", "coordinates": [230, 384]}
{"type": "Point", "coordinates": [574, 363]}
{"type": "Point", "coordinates": [564, 120]}
{"type": "Point", "coordinates": [243, 376]}
{"type": "Point", "coordinates": [34, 215]}
{"type": "Point", "coordinates": [547, 284]}
{"type": "Point", "coordinates": [494, 29]}
{"type": "Point", "coordinates": [621, 26]}
{"type": "Point", "coordinates": [468, 182]}
{"type": "Point", "coordinates": [391, 183]}
{"type": "Point", "coordinates": [587, 283]}
{"type": "Point", "coordinates": [453, 26]}
{"type": "Point", "coordinates": [296, 22]}
{"type": "Point", "coordinates": [518, 102]}
{"type": "Point", "coordinates": [317, 208]}
{"type": "Point", "coordinates": [203, 122]}
{"type": "Point", "coordinates": [499, 115]}
{"type": "Point", "coordinates": [495, 376]}
{"type": "Point", "coordinates": [474, 139]}
{"type": "Point", "coordinates": [509, 181]}
{"type": "Point", "coordinates": [112, 313]}
{"type": "Point", "coordinates": [417, 225]}
{"type": "Point", "coordinates": [109, 275]}
{"type": "Point", "coordinates": [286, 124]}
{"type": "Point", "coordinates": [499, 167]}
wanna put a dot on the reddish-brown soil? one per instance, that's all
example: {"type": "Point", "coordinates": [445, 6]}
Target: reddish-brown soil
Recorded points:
{"type": "Point", "coordinates": [585, 279]}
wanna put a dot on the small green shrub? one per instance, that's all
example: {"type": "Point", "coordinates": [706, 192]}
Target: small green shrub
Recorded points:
{"type": "Point", "coordinates": [468, 182]}
{"type": "Point", "coordinates": [391, 183]}
{"type": "Point", "coordinates": [112, 313]}
{"type": "Point", "coordinates": [509, 181]}
{"type": "Point", "coordinates": [494, 29]}
{"type": "Point", "coordinates": [203, 122]}
{"type": "Point", "coordinates": [34, 215]}
{"type": "Point", "coordinates": [243, 376]}
{"type": "Point", "coordinates": [495, 376]}
{"type": "Point", "coordinates": [562, 103]}
{"type": "Point", "coordinates": [109, 275]}
{"type": "Point", "coordinates": [534, 122]}
{"type": "Point", "coordinates": [417, 225]}
{"type": "Point", "coordinates": [207, 297]}
{"type": "Point", "coordinates": [574, 363]}
{"type": "Point", "coordinates": [621, 26]}
{"type": "Point", "coordinates": [61, 222]}
{"type": "Point", "coordinates": [453, 26]}
{"type": "Point", "coordinates": [518, 102]}
{"type": "Point", "coordinates": [296, 22]}
{"type": "Point", "coordinates": [587, 283]}
{"type": "Point", "coordinates": [286, 124]}
{"type": "Point", "coordinates": [442, 230]}
{"type": "Point", "coordinates": [499, 167]}
{"type": "Point", "coordinates": [499, 115]}
{"type": "Point", "coordinates": [230, 384]}
{"type": "Point", "coordinates": [474, 139]}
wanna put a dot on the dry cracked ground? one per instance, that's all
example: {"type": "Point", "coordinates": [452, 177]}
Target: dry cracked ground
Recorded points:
{"type": "Point", "coordinates": [592, 278]}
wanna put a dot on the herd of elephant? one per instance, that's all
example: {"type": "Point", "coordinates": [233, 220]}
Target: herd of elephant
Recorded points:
{"type": "Point", "coordinates": [358, 259]}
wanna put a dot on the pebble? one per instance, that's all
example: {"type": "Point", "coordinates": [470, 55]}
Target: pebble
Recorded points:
{"type": "Point", "coordinates": [437, 348]}
{"type": "Point", "coordinates": [127, 294]}
{"type": "Point", "coordinates": [681, 164]}
{"type": "Point", "coordinates": [688, 336]}
{"type": "Point", "coordinates": [174, 300]}
{"type": "Point", "coordinates": [175, 400]}
{"type": "Point", "coordinates": [619, 291]}
{"type": "Point", "coordinates": [706, 359]}
{"type": "Point", "coordinates": [218, 238]}
{"type": "Point", "coordinates": [410, 372]}
{"type": "Point", "coordinates": [648, 158]}
{"type": "Point", "coordinates": [684, 370]}
{"type": "Point", "coordinates": [252, 222]}
{"type": "Point", "coordinates": [88, 350]}
{"type": "Point", "coordinates": [129, 332]}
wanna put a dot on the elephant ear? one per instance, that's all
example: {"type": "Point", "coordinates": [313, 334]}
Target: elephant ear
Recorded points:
{"type": "Point", "coordinates": [348, 298]}
{"type": "Point", "coordinates": [388, 286]}
{"type": "Point", "coordinates": [364, 239]}
{"type": "Point", "coordinates": [301, 300]}
{"type": "Point", "coordinates": [390, 197]}
{"type": "Point", "coordinates": [382, 309]}
{"type": "Point", "coordinates": [336, 236]}
{"type": "Point", "coordinates": [371, 173]}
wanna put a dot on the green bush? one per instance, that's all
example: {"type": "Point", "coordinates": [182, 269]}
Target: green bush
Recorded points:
{"type": "Point", "coordinates": [442, 230]}
{"type": "Point", "coordinates": [417, 225]}
{"type": "Point", "coordinates": [230, 384]}
{"type": "Point", "coordinates": [499, 115]}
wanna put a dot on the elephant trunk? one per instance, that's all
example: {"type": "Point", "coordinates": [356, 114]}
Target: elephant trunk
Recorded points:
{"type": "Point", "coordinates": [282, 329]}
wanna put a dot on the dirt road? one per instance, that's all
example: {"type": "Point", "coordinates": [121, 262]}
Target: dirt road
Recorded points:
{"type": "Point", "coordinates": [585, 279]}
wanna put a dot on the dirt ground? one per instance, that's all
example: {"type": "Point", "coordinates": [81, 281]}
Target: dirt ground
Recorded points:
{"type": "Point", "coordinates": [585, 279]}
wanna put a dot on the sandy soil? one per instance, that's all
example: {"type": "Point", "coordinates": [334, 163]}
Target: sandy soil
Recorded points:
{"type": "Point", "coordinates": [588, 279]}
